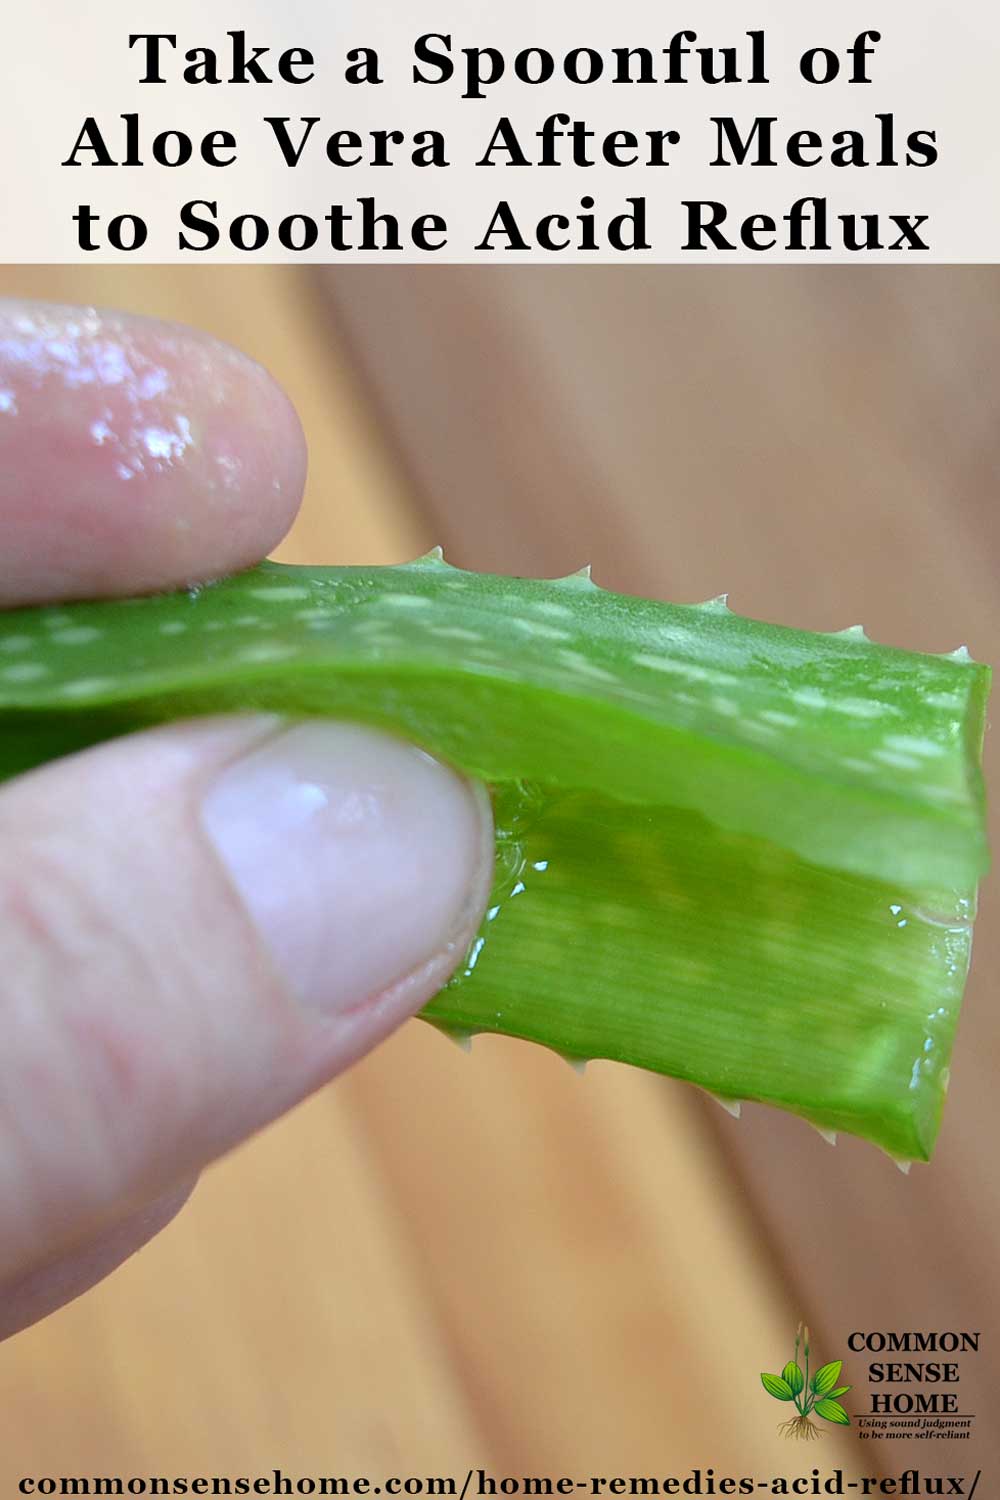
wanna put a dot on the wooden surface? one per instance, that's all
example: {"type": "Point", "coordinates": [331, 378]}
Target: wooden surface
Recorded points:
{"type": "Point", "coordinates": [444, 1260]}
{"type": "Point", "coordinates": [823, 444]}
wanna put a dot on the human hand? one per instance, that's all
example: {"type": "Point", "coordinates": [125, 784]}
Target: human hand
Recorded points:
{"type": "Point", "coordinates": [202, 923]}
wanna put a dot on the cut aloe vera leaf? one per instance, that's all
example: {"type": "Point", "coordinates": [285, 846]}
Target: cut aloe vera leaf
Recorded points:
{"type": "Point", "coordinates": [740, 854]}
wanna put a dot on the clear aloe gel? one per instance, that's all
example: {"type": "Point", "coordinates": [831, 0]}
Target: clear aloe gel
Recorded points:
{"type": "Point", "coordinates": [740, 854]}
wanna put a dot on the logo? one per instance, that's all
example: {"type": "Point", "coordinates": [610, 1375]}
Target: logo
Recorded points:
{"type": "Point", "coordinates": [815, 1394]}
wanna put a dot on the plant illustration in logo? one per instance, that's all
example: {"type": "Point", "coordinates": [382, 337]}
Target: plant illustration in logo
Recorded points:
{"type": "Point", "coordinates": [817, 1393]}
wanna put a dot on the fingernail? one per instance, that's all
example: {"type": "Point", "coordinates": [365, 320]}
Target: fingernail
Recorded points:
{"type": "Point", "coordinates": [359, 858]}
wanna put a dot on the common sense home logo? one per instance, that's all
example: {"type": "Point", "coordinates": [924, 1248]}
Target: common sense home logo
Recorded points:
{"type": "Point", "coordinates": [815, 1393]}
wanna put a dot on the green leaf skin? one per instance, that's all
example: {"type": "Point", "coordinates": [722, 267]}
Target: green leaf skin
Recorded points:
{"type": "Point", "coordinates": [826, 1378]}
{"type": "Point", "coordinates": [832, 1411]}
{"type": "Point", "coordinates": [740, 854]}
{"type": "Point", "coordinates": [776, 1387]}
{"type": "Point", "coordinates": [793, 1377]}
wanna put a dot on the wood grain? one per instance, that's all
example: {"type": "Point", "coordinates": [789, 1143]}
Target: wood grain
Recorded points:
{"type": "Point", "coordinates": [823, 444]}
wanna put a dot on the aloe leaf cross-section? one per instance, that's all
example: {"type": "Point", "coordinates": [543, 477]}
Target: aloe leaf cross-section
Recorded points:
{"type": "Point", "coordinates": [740, 854]}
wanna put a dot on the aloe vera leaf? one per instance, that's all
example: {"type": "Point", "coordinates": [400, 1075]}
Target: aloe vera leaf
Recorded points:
{"type": "Point", "coordinates": [740, 854]}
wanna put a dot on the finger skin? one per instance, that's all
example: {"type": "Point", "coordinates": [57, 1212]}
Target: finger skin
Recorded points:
{"type": "Point", "coordinates": [136, 455]}
{"type": "Point", "coordinates": [146, 1029]}
{"type": "Point", "coordinates": [39, 1292]}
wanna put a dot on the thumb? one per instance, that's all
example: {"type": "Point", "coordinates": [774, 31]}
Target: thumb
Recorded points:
{"type": "Point", "coordinates": [198, 926]}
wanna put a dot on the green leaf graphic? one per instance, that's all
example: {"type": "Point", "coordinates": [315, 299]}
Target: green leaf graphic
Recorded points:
{"type": "Point", "coordinates": [826, 1378]}
{"type": "Point", "coordinates": [840, 1391]}
{"type": "Point", "coordinates": [776, 1386]}
{"type": "Point", "coordinates": [832, 1411]}
{"type": "Point", "coordinates": [793, 1377]}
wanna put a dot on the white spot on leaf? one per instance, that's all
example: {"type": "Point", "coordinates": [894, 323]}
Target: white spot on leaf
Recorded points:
{"type": "Point", "coordinates": [268, 651]}
{"type": "Point", "coordinates": [914, 745]}
{"type": "Point", "coordinates": [79, 635]}
{"type": "Point", "coordinates": [897, 759]}
{"type": "Point", "coordinates": [542, 631]}
{"type": "Point", "coordinates": [684, 669]}
{"type": "Point", "coordinates": [85, 687]}
{"type": "Point", "coordinates": [278, 591]}
{"type": "Point", "coordinates": [457, 633]}
{"type": "Point", "coordinates": [586, 668]}
{"type": "Point", "coordinates": [810, 697]}
{"type": "Point", "coordinates": [26, 671]}
{"type": "Point", "coordinates": [862, 708]}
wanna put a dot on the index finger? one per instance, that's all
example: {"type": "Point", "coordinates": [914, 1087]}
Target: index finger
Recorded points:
{"type": "Point", "coordinates": [135, 455]}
